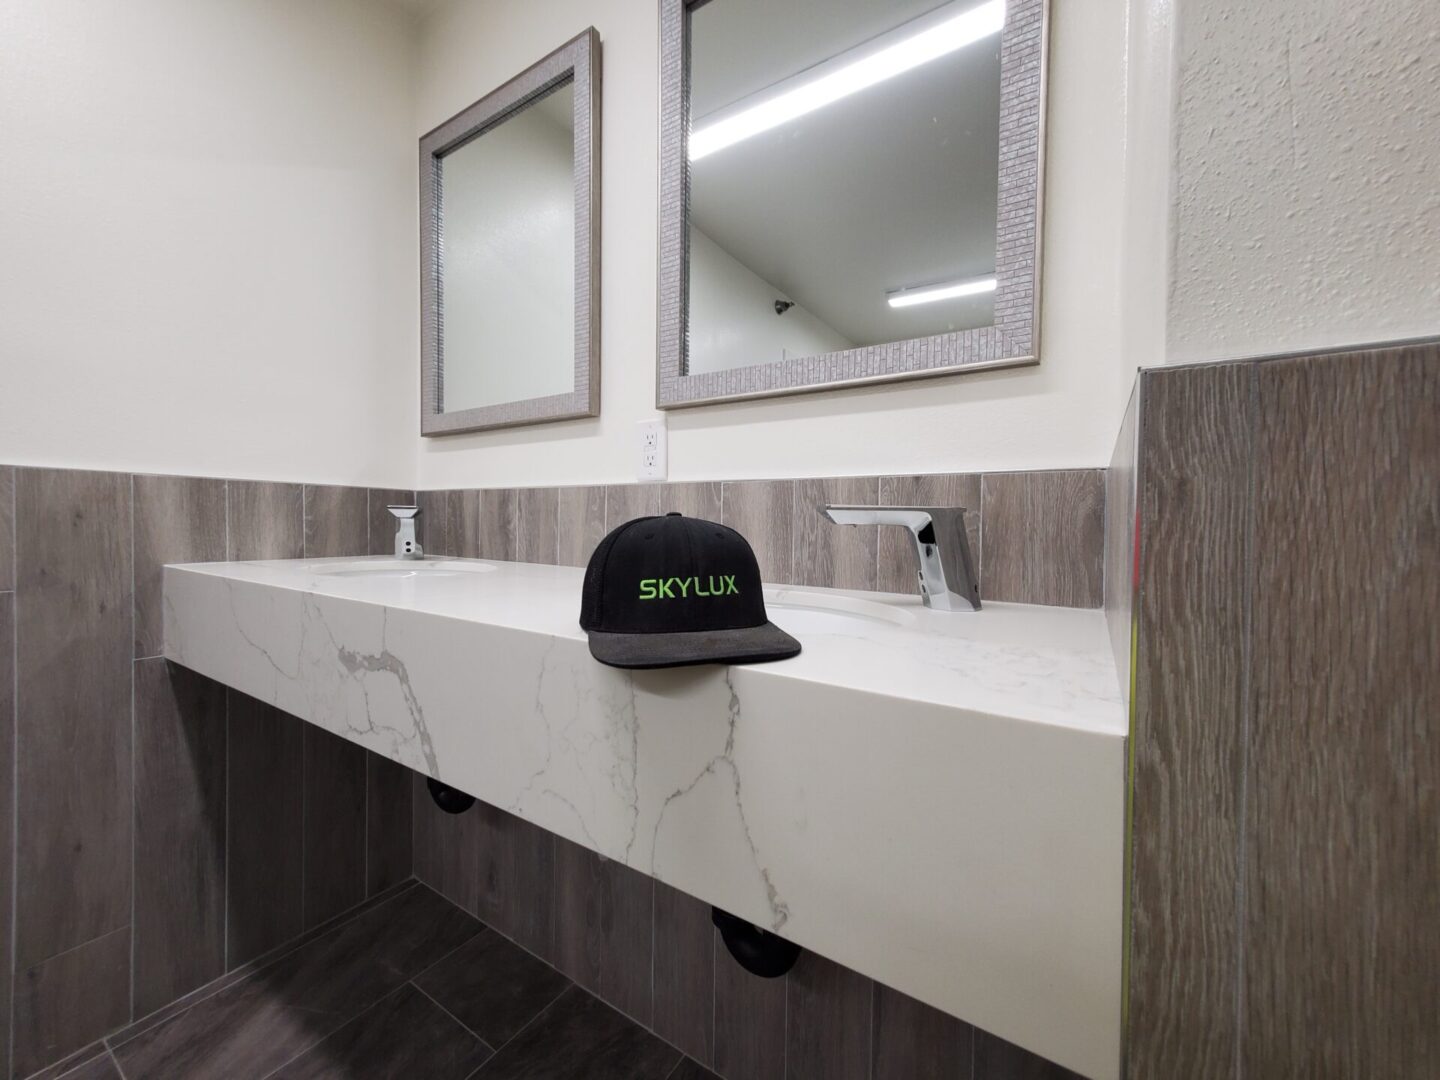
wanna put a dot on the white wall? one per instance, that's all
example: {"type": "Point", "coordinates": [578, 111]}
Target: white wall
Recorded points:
{"type": "Point", "coordinates": [1063, 413]}
{"type": "Point", "coordinates": [208, 238]}
{"type": "Point", "coordinates": [1306, 177]}
{"type": "Point", "coordinates": [732, 315]}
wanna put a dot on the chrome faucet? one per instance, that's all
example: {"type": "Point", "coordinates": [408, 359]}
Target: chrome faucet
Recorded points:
{"type": "Point", "coordinates": [407, 544]}
{"type": "Point", "coordinates": [947, 572]}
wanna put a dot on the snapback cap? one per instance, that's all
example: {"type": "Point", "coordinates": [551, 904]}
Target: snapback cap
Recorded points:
{"type": "Point", "coordinates": [672, 590]}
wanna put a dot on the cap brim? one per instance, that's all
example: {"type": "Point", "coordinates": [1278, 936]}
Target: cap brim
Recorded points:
{"type": "Point", "coordinates": [749, 645]}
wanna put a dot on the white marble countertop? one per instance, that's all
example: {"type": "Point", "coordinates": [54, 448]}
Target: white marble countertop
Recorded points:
{"type": "Point", "coordinates": [934, 799]}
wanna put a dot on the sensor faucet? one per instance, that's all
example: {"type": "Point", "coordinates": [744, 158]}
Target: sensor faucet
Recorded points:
{"type": "Point", "coordinates": [407, 544]}
{"type": "Point", "coordinates": [947, 572]}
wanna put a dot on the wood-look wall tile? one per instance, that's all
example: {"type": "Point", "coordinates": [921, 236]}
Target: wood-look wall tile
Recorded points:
{"type": "Point", "coordinates": [996, 1059]}
{"type": "Point", "coordinates": [603, 928]}
{"type": "Point", "coordinates": [179, 941]}
{"type": "Point", "coordinates": [828, 1013]}
{"type": "Point", "coordinates": [1044, 537]}
{"type": "Point", "coordinates": [698, 499]}
{"type": "Point", "coordinates": [498, 513]}
{"type": "Point", "coordinates": [465, 537]}
{"type": "Point", "coordinates": [335, 822]}
{"type": "Point", "coordinates": [7, 528]}
{"type": "Point", "coordinates": [912, 1041]}
{"type": "Point", "coordinates": [581, 524]}
{"type": "Point", "coordinates": [516, 868]}
{"type": "Point", "coordinates": [762, 511]}
{"type": "Point", "coordinates": [496, 866]}
{"type": "Point", "coordinates": [69, 1000]}
{"type": "Point", "coordinates": [684, 972]}
{"type": "Point", "coordinates": [267, 521]}
{"type": "Point", "coordinates": [264, 828]}
{"type": "Point", "coordinates": [1342, 865]}
{"type": "Point", "coordinates": [749, 1021]}
{"type": "Point", "coordinates": [388, 832]}
{"type": "Point", "coordinates": [898, 568]}
{"type": "Point", "coordinates": [1195, 444]}
{"type": "Point", "coordinates": [337, 521]}
{"type": "Point", "coordinates": [448, 849]}
{"type": "Point", "coordinates": [536, 525]}
{"type": "Point", "coordinates": [626, 502]}
{"type": "Point", "coordinates": [434, 525]}
{"type": "Point", "coordinates": [1120, 534]}
{"type": "Point", "coordinates": [73, 729]}
{"type": "Point", "coordinates": [382, 526]}
{"type": "Point", "coordinates": [834, 556]}
{"type": "Point", "coordinates": [7, 803]}
{"type": "Point", "coordinates": [177, 519]}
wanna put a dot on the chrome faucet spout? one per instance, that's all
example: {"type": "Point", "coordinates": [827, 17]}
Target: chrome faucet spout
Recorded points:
{"type": "Point", "coordinates": [947, 571]}
{"type": "Point", "coordinates": [407, 543]}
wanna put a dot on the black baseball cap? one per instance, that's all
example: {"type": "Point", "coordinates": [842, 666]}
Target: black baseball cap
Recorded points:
{"type": "Point", "coordinates": [672, 590]}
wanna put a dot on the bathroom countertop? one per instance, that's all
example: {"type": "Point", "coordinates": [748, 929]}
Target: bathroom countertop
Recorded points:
{"type": "Point", "coordinates": [934, 799]}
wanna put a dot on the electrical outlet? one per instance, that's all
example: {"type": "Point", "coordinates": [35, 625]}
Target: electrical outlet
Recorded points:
{"type": "Point", "coordinates": [651, 464]}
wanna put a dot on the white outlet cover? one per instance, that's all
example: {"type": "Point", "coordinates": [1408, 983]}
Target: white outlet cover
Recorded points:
{"type": "Point", "coordinates": [650, 463]}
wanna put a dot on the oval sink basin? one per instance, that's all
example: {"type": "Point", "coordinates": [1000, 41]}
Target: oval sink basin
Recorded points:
{"type": "Point", "coordinates": [804, 612]}
{"type": "Point", "coordinates": [401, 568]}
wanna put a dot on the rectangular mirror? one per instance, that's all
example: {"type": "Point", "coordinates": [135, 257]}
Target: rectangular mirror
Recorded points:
{"type": "Point", "coordinates": [509, 215]}
{"type": "Point", "coordinates": [850, 192]}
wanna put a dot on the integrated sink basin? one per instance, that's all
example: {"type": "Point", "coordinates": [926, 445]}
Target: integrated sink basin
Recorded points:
{"type": "Point", "coordinates": [402, 568]}
{"type": "Point", "coordinates": [934, 799]}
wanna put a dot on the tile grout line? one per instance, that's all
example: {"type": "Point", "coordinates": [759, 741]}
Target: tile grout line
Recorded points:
{"type": "Point", "coordinates": [464, 1026]}
{"type": "Point", "coordinates": [260, 963]}
{"type": "Point", "coordinates": [12, 922]}
{"type": "Point", "coordinates": [1247, 659]}
{"type": "Point", "coordinates": [225, 826]}
{"type": "Point", "coordinates": [134, 801]}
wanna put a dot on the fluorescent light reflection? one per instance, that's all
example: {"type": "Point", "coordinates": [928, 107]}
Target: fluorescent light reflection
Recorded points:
{"type": "Point", "coordinates": [949, 291]}
{"type": "Point", "coordinates": [910, 52]}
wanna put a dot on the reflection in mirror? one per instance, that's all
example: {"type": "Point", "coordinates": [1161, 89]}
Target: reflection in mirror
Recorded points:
{"type": "Point", "coordinates": [510, 278]}
{"type": "Point", "coordinates": [844, 164]}
{"type": "Point", "coordinates": [508, 268]}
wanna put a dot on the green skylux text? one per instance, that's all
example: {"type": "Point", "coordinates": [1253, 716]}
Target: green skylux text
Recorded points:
{"type": "Point", "coordinates": [670, 588]}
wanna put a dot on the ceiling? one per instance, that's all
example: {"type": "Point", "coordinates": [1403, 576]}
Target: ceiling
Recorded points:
{"type": "Point", "coordinates": [892, 187]}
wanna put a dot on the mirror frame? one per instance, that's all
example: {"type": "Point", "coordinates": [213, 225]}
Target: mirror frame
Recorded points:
{"type": "Point", "coordinates": [580, 58]}
{"type": "Point", "coordinates": [1013, 340]}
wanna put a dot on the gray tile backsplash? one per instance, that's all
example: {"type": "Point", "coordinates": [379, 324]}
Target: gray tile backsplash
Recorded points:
{"type": "Point", "coordinates": [840, 557]}
{"type": "Point", "coordinates": [1048, 534]}
{"type": "Point", "coordinates": [1044, 537]}
{"type": "Point", "coordinates": [7, 528]}
{"type": "Point", "coordinates": [337, 521]}
{"type": "Point", "coordinates": [264, 520]}
{"type": "Point", "coordinates": [177, 519]}
{"type": "Point", "coordinates": [763, 511]}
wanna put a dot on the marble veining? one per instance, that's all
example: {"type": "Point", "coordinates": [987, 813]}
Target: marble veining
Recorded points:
{"type": "Point", "coordinates": [935, 800]}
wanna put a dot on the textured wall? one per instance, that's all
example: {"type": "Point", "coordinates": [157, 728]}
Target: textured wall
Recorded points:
{"type": "Point", "coordinates": [1305, 201]}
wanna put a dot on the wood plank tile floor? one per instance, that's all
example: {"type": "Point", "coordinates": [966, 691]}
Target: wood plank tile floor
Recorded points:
{"type": "Point", "coordinates": [411, 986]}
